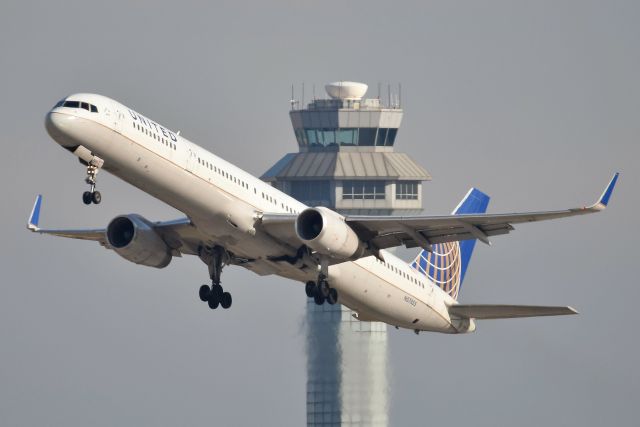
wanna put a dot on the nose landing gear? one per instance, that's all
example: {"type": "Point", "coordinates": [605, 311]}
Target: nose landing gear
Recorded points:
{"type": "Point", "coordinates": [92, 196]}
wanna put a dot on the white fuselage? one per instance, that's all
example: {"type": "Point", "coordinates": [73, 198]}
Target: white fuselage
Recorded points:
{"type": "Point", "coordinates": [224, 202]}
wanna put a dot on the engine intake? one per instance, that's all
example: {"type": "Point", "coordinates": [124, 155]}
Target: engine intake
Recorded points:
{"type": "Point", "coordinates": [134, 239]}
{"type": "Point", "coordinates": [326, 232]}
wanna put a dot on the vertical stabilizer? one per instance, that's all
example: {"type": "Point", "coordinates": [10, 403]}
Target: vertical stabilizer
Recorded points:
{"type": "Point", "coordinates": [447, 264]}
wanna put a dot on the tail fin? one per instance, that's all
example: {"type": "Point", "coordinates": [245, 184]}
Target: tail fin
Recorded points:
{"type": "Point", "coordinates": [447, 264]}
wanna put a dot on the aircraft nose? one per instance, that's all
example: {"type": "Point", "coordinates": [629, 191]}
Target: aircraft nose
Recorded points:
{"type": "Point", "coordinates": [57, 124]}
{"type": "Point", "coordinates": [60, 127]}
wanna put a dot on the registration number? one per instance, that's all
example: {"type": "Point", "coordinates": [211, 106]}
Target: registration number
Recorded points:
{"type": "Point", "coordinates": [410, 300]}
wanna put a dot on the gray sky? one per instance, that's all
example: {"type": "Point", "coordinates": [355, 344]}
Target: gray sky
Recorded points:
{"type": "Point", "coordinates": [535, 103]}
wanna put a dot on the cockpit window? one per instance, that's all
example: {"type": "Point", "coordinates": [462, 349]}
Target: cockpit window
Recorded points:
{"type": "Point", "coordinates": [78, 104]}
{"type": "Point", "coordinates": [59, 104]}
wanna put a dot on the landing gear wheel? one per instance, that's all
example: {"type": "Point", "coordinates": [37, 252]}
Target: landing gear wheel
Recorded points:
{"type": "Point", "coordinates": [333, 296]}
{"type": "Point", "coordinates": [204, 293]}
{"type": "Point", "coordinates": [215, 257]}
{"type": "Point", "coordinates": [86, 197]}
{"type": "Point", "coordinates": [323, 287]}
{"type": "Point", "coordinates": [225, 301]}
{"type": "Point", "coordinates": [318, 298]}
{"type": "Point", "coordinates": [96, 197]}
{"type": "Point", "coordinates": [310, 289]}
{"type": "Point", "coordinates": [214, 301]}
{"type": "Point", "coordinates": [217, 291]}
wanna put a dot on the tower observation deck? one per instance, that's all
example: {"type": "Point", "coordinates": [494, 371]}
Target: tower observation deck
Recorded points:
{"type": "Point", "coordinates": [346, 160]}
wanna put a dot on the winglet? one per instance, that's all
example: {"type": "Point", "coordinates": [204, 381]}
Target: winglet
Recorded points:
{"type": "Point", "coordinates": [602, 203]}
{"type": "Point", "coordinates": [34, 218]}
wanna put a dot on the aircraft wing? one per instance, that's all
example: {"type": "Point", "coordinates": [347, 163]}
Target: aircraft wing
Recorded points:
{"type": "Point", "coordinates": [381, 232]}
{"type": "Point", "coordinates": [506, 311]}
{"type": "Point", "coordinates": [411, 231]}
{"type": "Point", "coordinates": [179, 234]}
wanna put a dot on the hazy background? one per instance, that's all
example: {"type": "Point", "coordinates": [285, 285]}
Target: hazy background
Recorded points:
{"type": "Point", "coordinates": [536, 103]}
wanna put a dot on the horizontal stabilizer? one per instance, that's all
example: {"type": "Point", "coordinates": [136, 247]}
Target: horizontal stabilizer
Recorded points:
{"type": "Point", "coordinates": [482, 311]}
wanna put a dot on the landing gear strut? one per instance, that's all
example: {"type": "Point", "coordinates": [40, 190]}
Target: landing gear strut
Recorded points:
{"type": "Point", "coordinates": [215, 295]}
{"type": "Point", "coordinates": [91, 196]}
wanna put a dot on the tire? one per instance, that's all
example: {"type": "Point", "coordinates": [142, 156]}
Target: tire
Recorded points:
{"type": "Point", "coordinates": [225, 301]}
{"type": "Point", "coordinates": [218, 291]}
{"type": "Point", "coordinates": [324, 288]}
{"type": "Point", "coordinates": [333, 296]}
{"type": "Point", "coordinates": [310, 289]}
{"type": "Point", "coordinates": [319, 299]}
{"type": "Point", "coordinates": [86, 198]}
{"type": "Point", "coordinates": [214, 301]}
{"type": "Point", "coordinates": [204, 293]}
{"type": "Point", "coordinates": [96, 197]}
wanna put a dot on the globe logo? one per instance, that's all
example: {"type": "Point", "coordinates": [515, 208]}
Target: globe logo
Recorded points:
{"type": "Point", "coordinates": [442, 266]}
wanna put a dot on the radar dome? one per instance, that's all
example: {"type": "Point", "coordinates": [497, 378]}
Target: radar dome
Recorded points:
{"type": "Point", "coordinates": [346, 90]}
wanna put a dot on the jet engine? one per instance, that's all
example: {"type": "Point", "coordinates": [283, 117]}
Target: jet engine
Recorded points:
{"type": "Point", "coordinates": [326, 232]}
{"type": "Point", "coordinates": [135, 240]}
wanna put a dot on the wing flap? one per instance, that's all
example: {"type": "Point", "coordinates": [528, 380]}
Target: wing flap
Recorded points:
{"type": "Point", "coordinates": [480, 311]}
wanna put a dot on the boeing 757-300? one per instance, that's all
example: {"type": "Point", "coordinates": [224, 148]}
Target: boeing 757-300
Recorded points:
{"type": "Point", "coordinates": [234, 218]}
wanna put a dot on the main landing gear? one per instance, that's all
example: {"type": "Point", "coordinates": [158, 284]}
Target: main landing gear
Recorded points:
{"type": "Point", "coordinates": [321, 292]}
{"type": "Point", "coordinates": [92, 196]}
{"type": "Point", "coordinates": [215, 295]}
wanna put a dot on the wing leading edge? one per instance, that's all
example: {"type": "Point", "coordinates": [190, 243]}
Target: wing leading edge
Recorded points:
{"type": "Point", "coordinates": [411, 231]}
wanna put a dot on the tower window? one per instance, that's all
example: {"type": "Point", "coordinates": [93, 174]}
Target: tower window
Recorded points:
{"type": "Point", "coordinates": [407, 191]}
{"type": "Point", "coordinates": [367, 136]}
{"type": "Point", "coordinates": [359, 190]}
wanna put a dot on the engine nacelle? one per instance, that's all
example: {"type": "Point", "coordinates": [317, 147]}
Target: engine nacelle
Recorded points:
{"type": "Point", "coordinates": [326, 232]}
{"type": "Point", "coordinates": [134, 239]}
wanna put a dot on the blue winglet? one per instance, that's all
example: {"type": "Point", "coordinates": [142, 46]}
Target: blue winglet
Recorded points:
{"type": "Point", "coordinates": [34, 219]}
{"type": "Point", "coordinates": [604, 199]}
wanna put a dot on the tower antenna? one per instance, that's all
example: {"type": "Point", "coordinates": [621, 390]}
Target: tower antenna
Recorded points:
{"type": "Point", "coordinates": [292, 101]}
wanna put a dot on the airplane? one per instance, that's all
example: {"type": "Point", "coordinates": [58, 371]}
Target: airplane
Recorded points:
{"type": "Point", "coordinates": [234, 218]}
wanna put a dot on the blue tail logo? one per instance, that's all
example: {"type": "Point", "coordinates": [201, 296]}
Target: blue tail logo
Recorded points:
{"type": "Point", "coordinates": [447, 264]}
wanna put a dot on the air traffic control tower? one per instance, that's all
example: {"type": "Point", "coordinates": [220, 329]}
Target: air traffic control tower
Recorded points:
{"type": "Point", "coordinates": [346, 161]}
